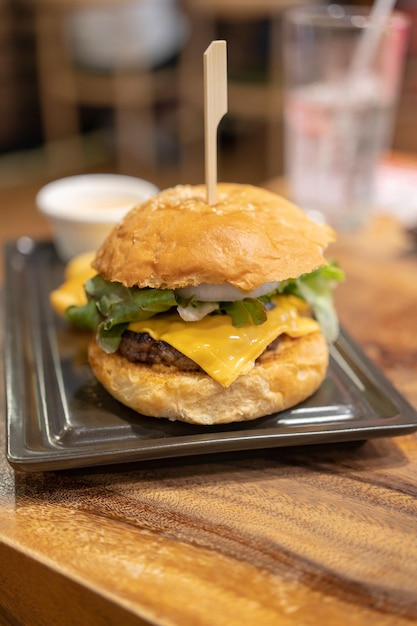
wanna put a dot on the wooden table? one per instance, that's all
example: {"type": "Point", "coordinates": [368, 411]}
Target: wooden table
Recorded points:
{"type": "Point", "coordinates": [299, 537]}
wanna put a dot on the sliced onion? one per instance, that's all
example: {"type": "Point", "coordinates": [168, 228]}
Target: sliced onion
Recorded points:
{"type": "Point", "coordinates": [224, 293]}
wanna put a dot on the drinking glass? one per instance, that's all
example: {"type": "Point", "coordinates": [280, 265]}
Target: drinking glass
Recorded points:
{"type": "Point", "coordinates": [342, 82]}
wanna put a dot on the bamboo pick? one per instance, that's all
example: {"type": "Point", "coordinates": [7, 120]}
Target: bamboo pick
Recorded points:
{"type": "Point", "coordinates": [215, 107]}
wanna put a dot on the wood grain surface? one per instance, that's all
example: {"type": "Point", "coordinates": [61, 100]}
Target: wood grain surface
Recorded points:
{"type": "Point", "coordinates": [303, 536]}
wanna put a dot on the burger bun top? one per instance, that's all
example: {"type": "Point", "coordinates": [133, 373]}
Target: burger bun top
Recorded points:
{"type": "Point", "coordinates": [249, 237]}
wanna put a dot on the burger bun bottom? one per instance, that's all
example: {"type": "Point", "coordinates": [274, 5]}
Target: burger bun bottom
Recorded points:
{"type": "Point", "coordinates": [280, 379]}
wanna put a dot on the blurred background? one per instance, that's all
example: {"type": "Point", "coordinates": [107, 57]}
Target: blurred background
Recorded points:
{"type": "Point", "coordinates": [101, 85]}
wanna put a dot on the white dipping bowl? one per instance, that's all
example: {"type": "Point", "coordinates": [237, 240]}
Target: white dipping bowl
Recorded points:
{"type": "Point", "coordinates": [83, 209]}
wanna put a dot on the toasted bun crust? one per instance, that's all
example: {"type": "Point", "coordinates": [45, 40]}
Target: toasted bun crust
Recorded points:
{"type": "Point", "coordinates": [249, 237]}
{"type": "Point", "coordinates": [280, 379]}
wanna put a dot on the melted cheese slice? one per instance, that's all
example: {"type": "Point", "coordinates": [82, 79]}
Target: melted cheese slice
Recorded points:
{"type": "Point", "coordinates": [72, 292]}
{"type": "Point", "coordinates": [221, 350]}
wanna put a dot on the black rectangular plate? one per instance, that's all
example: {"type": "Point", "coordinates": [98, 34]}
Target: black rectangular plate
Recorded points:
{"type": "Point", "coordinates": [60, 417]}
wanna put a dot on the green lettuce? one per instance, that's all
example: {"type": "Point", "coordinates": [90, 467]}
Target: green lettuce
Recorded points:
{"type": "Point", "coordinates": [244, 312]}
{"type": "Point", "coordinates": [316, 289]}
{"type": "Point", "coordinates": [111, 306]}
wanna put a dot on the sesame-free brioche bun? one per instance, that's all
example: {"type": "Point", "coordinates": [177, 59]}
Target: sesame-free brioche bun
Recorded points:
{"type": "Point", "coordinates": [280, 379]}
{"type": "Point", "coordinates": [250, 236]}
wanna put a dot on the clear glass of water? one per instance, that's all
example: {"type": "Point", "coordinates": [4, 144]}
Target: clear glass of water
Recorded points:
{"type": "Point", "coordinates": [338, 118]}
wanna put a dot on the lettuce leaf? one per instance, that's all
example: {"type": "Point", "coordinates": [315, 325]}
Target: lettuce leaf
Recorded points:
{"type": "Point", "coordinates": [111, 306]}
{"type": "Point", "coordinates": [317, 290]}
{"type": "Point", "coordinates": [244, 312]}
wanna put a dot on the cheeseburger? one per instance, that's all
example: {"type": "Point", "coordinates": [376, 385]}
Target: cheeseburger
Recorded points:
{"type": "Point", "coordinates": [211, 314]}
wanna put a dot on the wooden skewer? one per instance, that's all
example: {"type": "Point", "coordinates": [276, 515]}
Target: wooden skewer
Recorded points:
{"type": "Point", "coordinates": [215, 107]}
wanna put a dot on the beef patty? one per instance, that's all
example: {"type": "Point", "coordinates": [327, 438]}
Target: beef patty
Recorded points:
{"type": "Point", "coordinates": [141, 348]}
